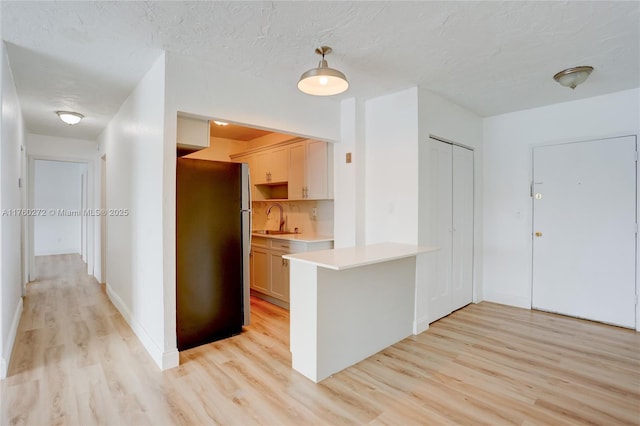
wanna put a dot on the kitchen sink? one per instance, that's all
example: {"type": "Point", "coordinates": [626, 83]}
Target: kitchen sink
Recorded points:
{"type": "Point", "coordinates": [271, 232]}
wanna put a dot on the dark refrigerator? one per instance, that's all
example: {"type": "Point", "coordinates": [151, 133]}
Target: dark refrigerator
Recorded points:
{"type": "Point", "coordinates": [213, 232]}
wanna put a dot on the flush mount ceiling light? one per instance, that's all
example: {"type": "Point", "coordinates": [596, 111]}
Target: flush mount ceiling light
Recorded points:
{"type": "Point", "coordinates": [70, 117]}
{"type": "Point", "coordinates": [220, 123]}
{"type": "Point", "coordinates": [323, 81]}
{"type": "Point", "coordinates": [571, 77]}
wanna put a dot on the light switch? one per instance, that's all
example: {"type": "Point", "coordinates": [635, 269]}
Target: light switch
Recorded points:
{"type": "Point", "coordinates": [348, 157]}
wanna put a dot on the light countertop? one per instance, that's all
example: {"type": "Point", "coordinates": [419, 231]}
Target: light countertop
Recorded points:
{"type": "Point", "coordinates": [304, 237]}
{"type": "Point", "coordinates": [353, 257]}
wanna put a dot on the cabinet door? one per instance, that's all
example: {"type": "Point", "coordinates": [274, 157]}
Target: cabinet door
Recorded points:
{"type": "Point", "coordinates": [440, 227]}
{"type": "Point", "coordinates": [262, 163]}
{"type": "Point", "coordinates": [259, 270]}
{"type": "Point", "coordinates": [317, 170]}
{"type": "Point", "coordinates": [272, 166]}
{"type": "Point", "coordinates": [193, 132]}
{"type": "Point", "coordinates": [297, 167]}
{"type": "Point", "coordinates": [279, 276]}
{"type": "Point", "coordinates": [279, 169]}
{"type": "Point", "coordinates": [462, 244]}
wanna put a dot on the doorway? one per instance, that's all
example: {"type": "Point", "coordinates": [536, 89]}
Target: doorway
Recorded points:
{"type": "Point", "coordinates": [58, 194]}
{"type": "Point", "coordinates": [584, 230]}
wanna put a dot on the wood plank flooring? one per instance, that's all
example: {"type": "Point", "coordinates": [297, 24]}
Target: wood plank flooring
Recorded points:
{"type": "Point", "coordinates": [77, 362]}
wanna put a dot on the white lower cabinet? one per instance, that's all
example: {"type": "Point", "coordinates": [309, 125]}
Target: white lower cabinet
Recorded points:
{"type": "Point", "coordinates": [259, 267]}
{"type": "Point", "coordinates": [279, 276]}
{"type": "Point", "coordinates": [270, 272]}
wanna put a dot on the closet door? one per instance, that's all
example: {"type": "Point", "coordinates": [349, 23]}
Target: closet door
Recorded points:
{"type": "Point", "coordinates": [440, 227]}
{"type": "Point", "coordinates": [462, 244]}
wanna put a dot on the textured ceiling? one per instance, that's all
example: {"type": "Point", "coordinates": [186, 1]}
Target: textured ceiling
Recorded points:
{"type": "Point", "coordinates": [490, 57]}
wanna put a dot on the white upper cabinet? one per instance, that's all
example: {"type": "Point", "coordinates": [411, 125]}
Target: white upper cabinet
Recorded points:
{"type": "Point", "coordinates": [193, 132]}
{"type": "Point", "coordinates": [298, 170]}
{"type": "Point", "coordinates": [272, 166]}
{"type": "Point", "coordinates": [297, 179]}
{"type": "Point", "coordinates": [310, 176]}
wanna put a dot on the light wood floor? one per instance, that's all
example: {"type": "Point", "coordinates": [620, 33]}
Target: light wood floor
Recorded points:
{"type": "Point", "coordinates": [77, 362]}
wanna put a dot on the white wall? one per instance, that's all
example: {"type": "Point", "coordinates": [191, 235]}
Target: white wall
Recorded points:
{"type": "Point", "coordinates": [61, 149]}
{"type": "Point", "coordinates": [345, 178]}
{"type": "Point", "coordinates": [208, 90]}
{"type": "Point", "coordinates": [508, 142]}
{"type": "Point", "coordinates": [12, 136]}
{"type": "Point", "coordinates": [391, 204]}
{"type": "Point", "coordinates": [57, 192]}
{"type": "Point", "coordinates": [133, 143]}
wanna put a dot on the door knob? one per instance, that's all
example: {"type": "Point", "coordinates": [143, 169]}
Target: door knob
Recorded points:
{"type": "Point", "coordinates": [538, 234]}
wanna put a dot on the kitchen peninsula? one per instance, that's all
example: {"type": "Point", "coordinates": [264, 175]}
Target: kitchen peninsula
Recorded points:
{"type": "Point", "coordinates": [349, 303]}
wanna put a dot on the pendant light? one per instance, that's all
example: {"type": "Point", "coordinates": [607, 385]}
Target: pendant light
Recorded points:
{"type": "Point", "coordinates": [323, 81]}
{"type": "Point", "coordinates": [70, 117]}
{"type": "Point", "coordinates": [571, 77]}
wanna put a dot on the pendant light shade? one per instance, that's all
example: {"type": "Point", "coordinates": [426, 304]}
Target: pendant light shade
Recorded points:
{"type": "Point", "coordinates": [571, 77]}
{"type": "Point", "coordinates": [70, 117]}
{"type": "Point", "coordinates": [323, 81]}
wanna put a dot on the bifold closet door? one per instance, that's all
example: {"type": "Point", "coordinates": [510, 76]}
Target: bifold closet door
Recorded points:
{"type": "Point", "coordinates": [440, 225]}
{"type": "Point", "coordinates": [462, 245]}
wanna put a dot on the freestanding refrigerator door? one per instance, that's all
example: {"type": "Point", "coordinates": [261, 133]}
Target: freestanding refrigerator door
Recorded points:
{"type": "Point", "coordinates": [246, 254]}
{"type": "Point", "coordinates": [246, 242]}
{"type": "Point", "coordinates": [209, 251]}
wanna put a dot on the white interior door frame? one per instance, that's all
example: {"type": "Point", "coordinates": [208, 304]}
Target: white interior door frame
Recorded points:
{"type": "Point", "coordinates": [30, 233]}
{"type": "Point", "coordinates": [633, 133]}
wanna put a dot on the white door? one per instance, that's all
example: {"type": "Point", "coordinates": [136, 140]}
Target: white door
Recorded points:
{"type": "Point", "coordinates": [584, 230]}
{"type": "Point", "coordinates": [440, 227]}
{"type": "Point", "coordinates": [462, 244]}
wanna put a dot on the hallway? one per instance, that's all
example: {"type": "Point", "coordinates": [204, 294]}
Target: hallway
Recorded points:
{"type": "Point", "coordinates": [72, 361]}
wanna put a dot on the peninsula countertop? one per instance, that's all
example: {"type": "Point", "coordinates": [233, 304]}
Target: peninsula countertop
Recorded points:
{"type": "Point", "coordinates": [353, 257]}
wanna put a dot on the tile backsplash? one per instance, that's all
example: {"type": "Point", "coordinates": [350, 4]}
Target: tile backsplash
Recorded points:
{"type": "Point", "coordinates": [297, 214]}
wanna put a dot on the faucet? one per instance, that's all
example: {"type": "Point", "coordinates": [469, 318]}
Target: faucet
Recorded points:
{"type": "Point", "coordinates": [279, 206]}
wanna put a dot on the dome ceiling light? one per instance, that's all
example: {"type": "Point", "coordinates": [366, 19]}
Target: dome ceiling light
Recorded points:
{"type": "Point", "coordinates": [70, 117]}
{"type": "Point", "coordinates": [571, 77]}
{"type": "Point", "coordinates": [323, 81]}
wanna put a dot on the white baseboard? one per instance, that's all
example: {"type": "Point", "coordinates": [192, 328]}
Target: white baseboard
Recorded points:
{"type": "Point", "coordinates": [420, 325]}
{"type": "Point", "coordinates": [163, 360]}
{"type": "Point", "coordinates": [6, 355]}
{"type": "Point", "coordinates": [508, 299]}
{"type": "Point", "coordinates": [57, 252]}
{"type": "Point", "coordinates": [170, 359]}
